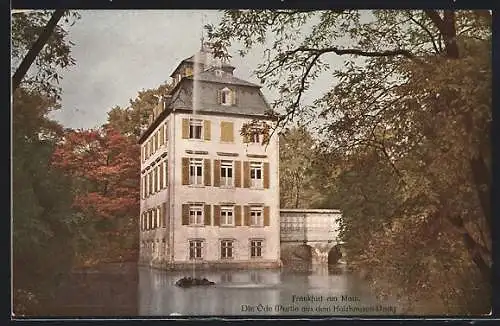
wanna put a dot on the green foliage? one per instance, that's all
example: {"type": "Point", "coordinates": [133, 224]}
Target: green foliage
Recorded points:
{"type": "Point", "coordinates": [133, 120]}
{"type": "Point", "coordinates": [43, 220]}
{"type": "Point", "coordinates": [405, 130]}
{"type": "Point", "coordinates": [54, 56]}
{"type": "Point", "coordinates": [299, 185]}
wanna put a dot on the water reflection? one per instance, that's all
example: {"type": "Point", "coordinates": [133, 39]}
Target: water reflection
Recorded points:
{"type": "Point", "coordinates": [250, 292]}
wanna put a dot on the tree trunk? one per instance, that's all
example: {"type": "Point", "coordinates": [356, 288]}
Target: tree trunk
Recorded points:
{"type": "Point", "coordinates": [35, 49]}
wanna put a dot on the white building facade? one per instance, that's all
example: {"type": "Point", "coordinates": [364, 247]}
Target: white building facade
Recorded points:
{"type": "Point", "coordinates": [209, 195]}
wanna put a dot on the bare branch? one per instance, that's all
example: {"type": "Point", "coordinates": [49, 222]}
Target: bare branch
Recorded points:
{"type": "Point", "coordinates": [387, 53]}
{"type": "Point", "coordinates": [428, 32]}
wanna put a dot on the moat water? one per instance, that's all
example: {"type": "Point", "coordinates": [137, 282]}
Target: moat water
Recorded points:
{"type": "Point", "coordinates": [319, 291]}
{"type": "Point", "coordinates": [127, 290]}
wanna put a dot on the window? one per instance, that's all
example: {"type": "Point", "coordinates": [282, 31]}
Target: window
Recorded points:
{"type": "Point", "coordinates": [195, 249]}
{"type": "Point", "coordinates": [256, 175]}
{"type": "Point", "coordinates": [256, 248]}
{"type": "Point", "coordinates": [165, 173]}
{"type": "Point", "coordinates": [195, 128]}
{"type": "Point", "coordinates": [226, 173]}
{"type": "Point", "coordinates": [196, 171]}
{"type": "Point", "coordinates": [255, 136]}
{"type": "Point", "coordinates": [155, 142]}
{"type": "Point", "coordinates": [143, 188]}
{"type": "Point", "coordinates": [256, 216]}
{"type": "Point", "coordinates": [226, 96]}
{"type": "Point", "coordinates": [155, 179]}
{"type": "Point", "coordinates": [226, 249]}
{"type": "Point", "coordinates": [196, 215]}
{"type": "Point", "coordinates": [150, 180]}
{"type": "Point", "coordinates": [226, 216]}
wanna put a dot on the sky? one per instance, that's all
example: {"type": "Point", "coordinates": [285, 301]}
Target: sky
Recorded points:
{"type": "Point", "coordinates": [120, 52]}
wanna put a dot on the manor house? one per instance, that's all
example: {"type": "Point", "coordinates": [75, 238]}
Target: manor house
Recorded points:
{"type": "Point", "coordinates": [209, 195]}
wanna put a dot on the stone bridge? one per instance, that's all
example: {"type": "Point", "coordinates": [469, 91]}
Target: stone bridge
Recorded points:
{"type": "Point", "coordinates": [310, 236]}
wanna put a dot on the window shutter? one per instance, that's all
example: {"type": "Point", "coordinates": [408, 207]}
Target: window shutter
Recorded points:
{"type": "Point", "coordinates": [234, 97]}
{"type": "Point", "coordinates": [237, 173]}
{"type": "Point", "coordinates": [164, 215]}
{"type": "Point", "coordinates": [247, 215]}
{"type": "Point", "coordinates": [227, 134]}
{"type": "Point", "coordinates": [266, 175]}
{"type": "Point", "coordinates": [162, 135]}
{"type": "Point", "coordinates": [216, 173]}
{"type": "Point", "coordinates": [207, 215]}
{"type": "Point", "coordinates": [185, 128]}
{"type": "Point", "coordinates": [161, 175]}
{"type": "Point", "coordinates": [237, 215]}
{"type": "Point", "coordinates": [185, 170]}
{"type": "Point", "coordinates": [185, 214]}
{"type": "Point", "coordinates": [206, 171]}
{"type": "Point", "coordinates": [246, 174]}
{"type": "Point", "coordinates": [266, 216]}
{"type": "Point", "coordinates": [217, 215]}
{"type": "Point", "coordinates": [162, 222]}
{"type": "Point", "coordinates": [219, 96]}
{"type": "Point", "coordinates": [206, 129]}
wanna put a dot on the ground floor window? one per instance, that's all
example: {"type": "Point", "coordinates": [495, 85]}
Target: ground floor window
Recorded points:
{"type": "Point", "coordinates": [226, 249]}
{"type": "Point", "coordinates": [195, 249]}
{"type": "Point", "coordinates": [256, 248]}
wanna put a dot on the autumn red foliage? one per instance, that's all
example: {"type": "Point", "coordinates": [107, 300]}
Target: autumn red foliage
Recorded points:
{"type": "Point", "coordinates": [104, 166]}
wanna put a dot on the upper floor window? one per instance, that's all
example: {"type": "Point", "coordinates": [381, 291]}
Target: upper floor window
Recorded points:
{"type": "Point", "coordinates": [196, 171]}
{"type": "Point", "coordinates": [226, 173]}
{"type": "Point", "coordinates": [226, 96]}
{"type": "Point", "coordinates": [256, 216]}
{"type": "Point", "coordinates": [256, 174]}
{"type": "Point", "coordinates": [226, 216]}
{"type": "Point", "coordinates": [195, 128]}
{"type": "Point", "coordinates": [196, 215]}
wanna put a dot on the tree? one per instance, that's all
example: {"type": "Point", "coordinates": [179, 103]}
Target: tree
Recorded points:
{"type": "Point", "coordinates": [297, 150]}
{"type": "Point", "coordinates": [43, 219]}
{"type": "Point", "coordinates": [37, 37]}
{"type": "Point", "coordinates": [133, 120]}
{"type": "Point", "coordinates": [105, 167]}
{"type": "Point", "coordinates": [415, 87]}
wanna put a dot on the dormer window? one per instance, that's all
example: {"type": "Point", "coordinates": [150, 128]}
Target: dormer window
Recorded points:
{"type": "Point", "coordinates": [227, 96]}
{"type": "Point", "coordinates": [218, 73]}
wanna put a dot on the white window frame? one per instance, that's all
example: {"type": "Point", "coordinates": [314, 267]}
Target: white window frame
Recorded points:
{"type": "Point", "coordinates": [225, 167]}
{"type": "Point", "coordinates": [227, 216]}
{"type": "Point", "coordinates": [256, 216]}
{"type": "Point", "coordinates": [197, 245]}
{"type": "Point", "coordinates": [156, 179]}
{"type": "Point", "coordinates": [255, 182]}
{"type": "Point", "coordinates": [151, 183]}
{"type": "Point", "coordinates": [196, 165]}
{"type": "Point", "coordinates": [195, 123]}
{"type": "Point", "coordinates": [196, 215]}
{"type": "Point", "coordinates": [226, 96]}
{"type": "Point", "coordinates": [165, 136]}
{"type": "Point", "coordinates": [158, 216]}
{"type": "Point", "coordinates": [227, 249]}
{"type": "Point", "coordinates": [165, 172]}
{"type": "Point", "coordinates": [255, 137]}
{"type": "Point", "coordinates": [254, 248]}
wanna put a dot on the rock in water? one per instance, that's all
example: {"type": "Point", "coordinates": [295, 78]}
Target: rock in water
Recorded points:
{"type": "Point", "coordinates": [188, 282]}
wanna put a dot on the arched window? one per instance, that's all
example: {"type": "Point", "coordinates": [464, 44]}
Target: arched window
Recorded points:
{"type": "Point", "coordinates": [227, 96]}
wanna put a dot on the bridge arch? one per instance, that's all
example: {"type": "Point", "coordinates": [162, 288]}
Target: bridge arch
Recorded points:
{"type": "Point", "coordinates": [334, 255]}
